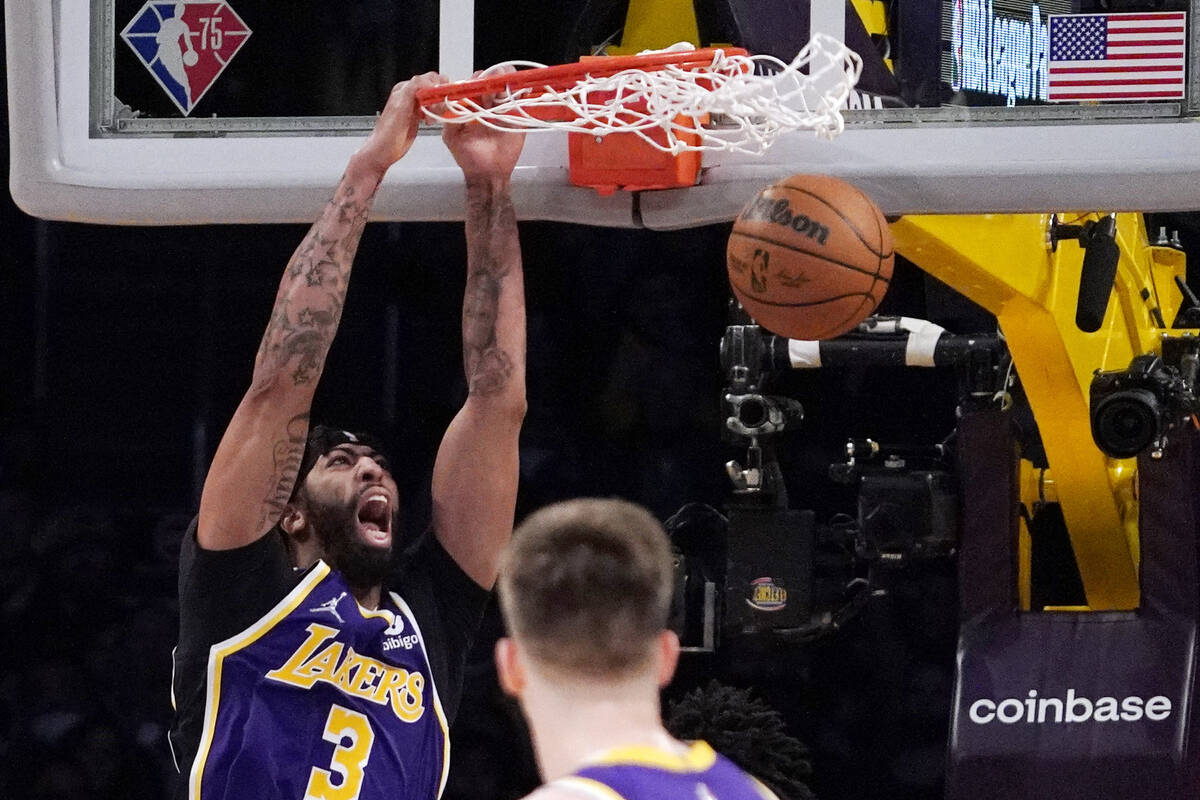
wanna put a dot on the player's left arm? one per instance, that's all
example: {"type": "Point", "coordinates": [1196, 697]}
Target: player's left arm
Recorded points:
{"type": "Point", "coordinates": [475, 475]}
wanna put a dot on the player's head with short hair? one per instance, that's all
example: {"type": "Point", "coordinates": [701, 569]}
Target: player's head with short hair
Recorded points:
{"type": "Point", "coordinates": [585, 589]}
{"type": "Point", "coordinates": [323, 438]}
{"type": "Point", "coordinates": [345, 504]}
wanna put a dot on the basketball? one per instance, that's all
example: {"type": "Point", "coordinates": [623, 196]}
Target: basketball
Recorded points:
{"type": "Point", "coordinates": [810, 257]}
{"type": "Point", "coordinates": [190, 58]}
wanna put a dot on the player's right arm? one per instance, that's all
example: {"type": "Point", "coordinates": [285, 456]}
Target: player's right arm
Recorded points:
{"type": "Point", "coordinates": [255, 466]}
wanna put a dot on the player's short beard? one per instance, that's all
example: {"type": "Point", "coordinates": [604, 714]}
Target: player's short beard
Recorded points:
{"type": "Point", "coordinates": [336, 528]}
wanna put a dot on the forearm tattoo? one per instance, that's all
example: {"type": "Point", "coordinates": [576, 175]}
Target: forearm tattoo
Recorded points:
{"type": "Point", "coordinates": [491, 224]}
{"type": "Point", "coordinates": [286, 454]}
{"type": "Point", "coordinates": [308, 307]}
{"type": "Point", "coordinates": [312, 293]}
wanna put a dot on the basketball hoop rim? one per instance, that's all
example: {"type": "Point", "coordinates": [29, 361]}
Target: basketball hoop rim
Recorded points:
{"type": "Point", "coordinates": [564, 76]}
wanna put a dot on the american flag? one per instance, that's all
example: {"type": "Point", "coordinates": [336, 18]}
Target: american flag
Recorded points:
{"type": "Point", "coordinates": [1117, 56]}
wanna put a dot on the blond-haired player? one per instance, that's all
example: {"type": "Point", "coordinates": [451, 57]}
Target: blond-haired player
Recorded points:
{"type": "Point", "coordinates": [585, 588]}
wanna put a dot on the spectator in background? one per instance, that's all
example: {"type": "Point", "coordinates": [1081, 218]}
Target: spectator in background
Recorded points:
{"type": "Point", "coordinates": [748, 732]}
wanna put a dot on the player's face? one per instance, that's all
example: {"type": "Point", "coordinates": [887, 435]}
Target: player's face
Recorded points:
{"type": "Point", "coordinates": [352, 504]}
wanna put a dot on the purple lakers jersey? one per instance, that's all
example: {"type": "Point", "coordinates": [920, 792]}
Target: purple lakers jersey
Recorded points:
{"type": "Point", "coordinates": [322, 699]}
{"type": "Point", "coordinates": [645, 773]}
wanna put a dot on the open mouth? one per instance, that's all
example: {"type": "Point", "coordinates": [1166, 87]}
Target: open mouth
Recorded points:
{"type": "Point", "coordinates": [375, 517]}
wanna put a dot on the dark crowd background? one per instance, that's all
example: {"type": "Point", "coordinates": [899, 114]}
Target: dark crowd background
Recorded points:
{"type": "Point", "coordinates": [125, 351]}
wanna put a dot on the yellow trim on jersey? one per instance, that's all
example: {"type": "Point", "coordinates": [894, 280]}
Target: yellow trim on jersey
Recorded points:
{"type": "Point", "coordinates": [437, 702]}
{"type": "Point", "coordinates": [698, 758]}
{"type": "Point", "coordinates": [592, 788]}
{"type": "Point", "coordinates": [381, 613]}
{"type": "Point", "coordinates": [760, 787]}
{"type": "Point", "coordinates": [220, 650]}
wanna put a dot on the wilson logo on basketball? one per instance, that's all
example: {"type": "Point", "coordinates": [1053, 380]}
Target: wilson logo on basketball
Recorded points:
{"type": "Point", "coordinates": [809, 257]}
{"type": "Point", "coordinates": [779, 212]}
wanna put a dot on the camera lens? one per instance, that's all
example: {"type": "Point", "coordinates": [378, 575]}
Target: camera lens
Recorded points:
{"type": "Point", "coordinates": [753, 412]}
{"type": "Point", "coordinates": [1126, 423]}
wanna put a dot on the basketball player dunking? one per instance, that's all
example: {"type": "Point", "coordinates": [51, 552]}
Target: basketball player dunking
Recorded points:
{"type": "Point", "coordinates": [307, 667]}
{"type": "Point", "coordinates": [585, 589]}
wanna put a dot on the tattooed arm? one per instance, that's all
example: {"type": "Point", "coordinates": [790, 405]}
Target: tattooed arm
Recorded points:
{"type": "Point", "coordinates": [255, 465]}
{"type": "Point", "coordinates": [475, 475]}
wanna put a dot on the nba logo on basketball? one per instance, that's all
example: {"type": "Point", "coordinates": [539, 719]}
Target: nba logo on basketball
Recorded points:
{"type": "Point", "coordinates": [186, 45]}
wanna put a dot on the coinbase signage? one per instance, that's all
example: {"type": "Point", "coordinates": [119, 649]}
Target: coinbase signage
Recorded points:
{"type": "Point", "coordinates": [1074, 705]}
{"type": "Point", "coordinates": [1070, 708]}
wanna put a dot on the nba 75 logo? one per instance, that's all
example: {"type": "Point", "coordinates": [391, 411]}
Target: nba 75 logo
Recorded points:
{"type": "Point", "coordinates": [186, 45]}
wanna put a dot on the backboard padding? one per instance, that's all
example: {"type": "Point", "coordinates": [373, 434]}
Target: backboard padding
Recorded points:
{"type": "Point", "coordinates": [938, 160]}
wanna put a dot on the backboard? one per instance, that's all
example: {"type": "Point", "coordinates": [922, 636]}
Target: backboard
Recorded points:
{"type": "Point", "coordinates": [203, 111]}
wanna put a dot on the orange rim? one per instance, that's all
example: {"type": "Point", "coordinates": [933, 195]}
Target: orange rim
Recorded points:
{"type": "Point", "coordinates": [564, 76]}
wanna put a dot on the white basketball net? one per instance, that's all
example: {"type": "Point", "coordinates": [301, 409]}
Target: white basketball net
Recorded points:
{"type": "Point", "coordinates": [751, 99]}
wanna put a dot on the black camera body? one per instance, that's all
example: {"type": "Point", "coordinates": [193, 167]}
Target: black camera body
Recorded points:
{"type": "Point", "coordinates": [769, 573]}
{"type": "Point", "coordinates": [1134, 408]}
{"type": "Point", "coordinates": [906, 516]}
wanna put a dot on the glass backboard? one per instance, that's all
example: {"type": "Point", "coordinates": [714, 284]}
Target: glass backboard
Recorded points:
{"type": "Point", "coordinates": [141, 111]}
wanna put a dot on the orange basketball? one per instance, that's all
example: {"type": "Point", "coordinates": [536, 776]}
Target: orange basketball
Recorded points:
{"type": "Point", "coordinates": [810, 257]}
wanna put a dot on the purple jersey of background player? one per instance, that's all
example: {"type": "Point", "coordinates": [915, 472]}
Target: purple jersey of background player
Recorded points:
{"type": "Point", "coordinates": [642, 773]}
